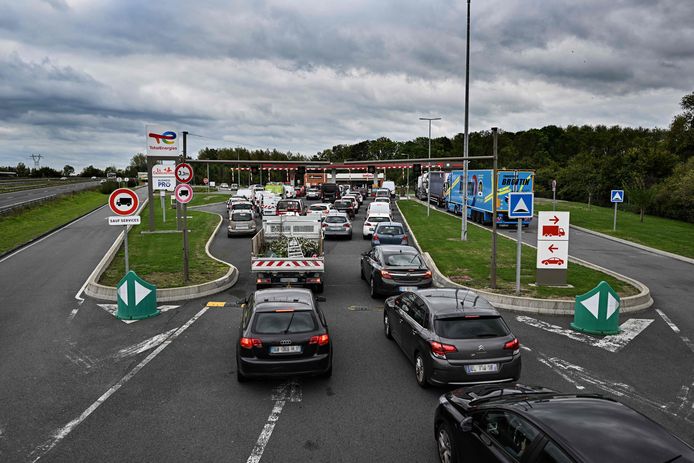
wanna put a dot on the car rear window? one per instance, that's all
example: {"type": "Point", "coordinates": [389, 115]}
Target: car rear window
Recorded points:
{"type": "Point", "coordinates": [287, 206]}
{"type": "Point", "coordinates": [343, 203]}
{"type": "Point", "coordinates": [241, 216]}
{"type": "Point", "coordinates": [404, 260]}
{"type": "Point", "coordinates": [318, 208]}
{"type": "Point", "coordinates": [470, 328]}
{"type": "Point", "coordinates": [242, 206]}
{"type": "Point", "coordinates": [284, 322]}
{"type": "Point", "coordinates": [389, 230]}
{"type": "Point", "coordinates": [335, 219]}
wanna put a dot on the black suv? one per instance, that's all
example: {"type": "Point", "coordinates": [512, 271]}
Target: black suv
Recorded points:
{"type": "Point", "coordinates": [453, 336]}
{"type": "Point", "coordinates": [522, 424]}
{"type": "Point", "coordinates": [283, 332]}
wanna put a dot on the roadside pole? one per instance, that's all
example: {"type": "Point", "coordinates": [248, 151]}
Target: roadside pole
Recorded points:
{"type": "Point", "coordinates": [150, 190]}
{"type": "Point", "coordinates": [125, 248]}
{"type": "Point", "coordinates": [616, 196]}
{"type": "Point", "coordinates": [185, 219]}
{"type": "Point", "coordinates": [520, 206]}
{"type": "Point", "coordinates": [495, 132]}
{"type": "Point", "coordinates": [554, 195]}
{"type": "Point", "coordinates": [162, 193]}
{"type": "Point", "coordinates": [519, 237]}
{"type": "Point", "coordinates": [208, 178]}
{"type": "Point", "coordinates": [614, 222]}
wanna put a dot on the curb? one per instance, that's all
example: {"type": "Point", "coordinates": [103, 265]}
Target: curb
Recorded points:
{"type": "Point", "coordinates": [181, 293]}
{"type": "Point", "coordinates": [522, 304]}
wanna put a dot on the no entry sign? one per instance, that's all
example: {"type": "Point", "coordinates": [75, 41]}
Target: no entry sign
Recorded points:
{"type": "Point", "coordinates": [123, 201]}
{"type": "Point", "coordinates": [184, 172]}
{"type": "Point", "coordinates": [183, 193]}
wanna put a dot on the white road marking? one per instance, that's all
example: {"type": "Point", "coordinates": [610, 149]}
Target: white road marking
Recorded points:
{"type": "Point", "coordinates": [676, 329]}
{"type": "Point", "coordinates": [612, 343]}
{"type": "Point", "coordinates": [288, 392]}
{"type": "Point", "coordinates": [63, 432]}
{"type": "Point", "coordinates": [47, 236]}
{"type": "Point", "coordinates": [145, 345]}
{"type": "Point", "coordinates": [113, 308]}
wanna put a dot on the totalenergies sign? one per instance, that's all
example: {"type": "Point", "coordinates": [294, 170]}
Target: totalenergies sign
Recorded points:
{"type": "Point", "coordinates": [161, 140]}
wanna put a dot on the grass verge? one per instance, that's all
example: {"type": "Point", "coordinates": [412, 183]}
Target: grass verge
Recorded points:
{"type": "Point", "coordinates": [20, 227]}
{"type": "Point", "coordinates": [158, 258]}
{"type": "Point", "coordinates": [468, 263]}
{"type": "Point", "coordinates": [657, 232]}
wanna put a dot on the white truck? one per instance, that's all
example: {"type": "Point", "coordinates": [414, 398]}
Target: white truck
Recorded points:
{"type": "Point", "coordinates": [288, 251]}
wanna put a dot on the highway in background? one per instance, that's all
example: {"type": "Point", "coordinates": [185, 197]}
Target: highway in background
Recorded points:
{"type": "Point", "coordinates": [185, 404]}
{"type": "Point", "coordinates": [18, 198]}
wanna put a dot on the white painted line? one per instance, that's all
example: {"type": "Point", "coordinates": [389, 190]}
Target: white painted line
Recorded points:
{"type": "Point", "coordinates": [612, 343]}
{"type": "Point", "coordinates": [113, 308]}
{"type": "Point", "coordinates": [288, 392]}
{"type": "Point", "coordinates": [676, 329]}
{"type": "Point", "coordinates": [48, 236]}
{"type": "Point", "coordinates": [63, 432]}
{"type": "Point", "coordinates": [145, 345]}
{"type": "Point", "coordinates": [542, 359]}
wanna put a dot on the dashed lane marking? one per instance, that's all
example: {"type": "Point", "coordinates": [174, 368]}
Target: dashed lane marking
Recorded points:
{"type": "Point", "coordinates": [676, 329]}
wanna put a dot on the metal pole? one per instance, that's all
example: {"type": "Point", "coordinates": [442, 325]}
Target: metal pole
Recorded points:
{"type": "Point", "coordinates": [408, 176]}
{"type": "Point", "coordinates": [463, 222]}
{"type": "Point", "coordinates": [429, 179]}
{"type": "Point", "coordinates": [519, 237]}
{"type": "Point", "coordinates": [185, 221]}
{"type": "Point", "coordinates": [125, 246]}
{"type": "Point", "coordinates": [614, 223]}
{"type": "Point", "coordinates": [163, 205]}
{"type": "Point", "coordinates": [495, 132]}
{"type": "Point", "coordinates": [208, 178]}
{"type": "Point", "coordinates": [150, 191]}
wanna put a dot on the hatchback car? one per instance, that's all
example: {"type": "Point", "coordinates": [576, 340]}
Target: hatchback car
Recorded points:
{"type": "Point", "coordinates": [393, 269]}
{"type": "Point", "coordinates": [242, 206]}
{"type": "Point", "coordinates": [241, 222]}
{"type": "Point", "coordinates": [313, 193]}
{"type": "Point", "coordinates": [453, 336]}
{"type": "Point", "coordinates": [371, 221]}
{"type": "Point", "coordinates": [283, 332]}
{"type": "Point", "coordinates": [323, 208]}
{"type": "Point", "coordinates": [346, 206]}
{"type": "Point", "coordinates": [534, 424]}
{"type": "Point", "coordinates": [355, 203]}
{"type": "Point", "coordinates": [337, 224]}
{"type": "Point", "coordinates": [290, 207]}
{"type": "Point", "coordinates": [389, 233]}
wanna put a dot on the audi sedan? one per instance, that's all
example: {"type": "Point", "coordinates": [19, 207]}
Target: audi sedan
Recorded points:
{"type": "Point", "coordinates": [283, 332]}
{"type": "Point", "coordinates": [452, 336]}
{"type": "Point", "coordinates": [535, 424]}
{"type": "Point", "coordinates": [391, 269]}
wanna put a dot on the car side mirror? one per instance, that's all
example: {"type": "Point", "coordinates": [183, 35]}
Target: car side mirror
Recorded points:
{"type": "Point", "coordinates": [320, 299]}
{"type": "Point", "coordinates": [466, 424]}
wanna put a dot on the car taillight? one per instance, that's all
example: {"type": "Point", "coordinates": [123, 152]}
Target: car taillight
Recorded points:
{"type": "Point", "coordinates": [440, 350]}
{"type": "Point", "coordinates": [386, 274]}
{"type": "Point", "coordinates": [375, 237]}
{"type": "Point", "coordinates": [346, 225]}
{"type": "Point", "coordinates": [249, 343]}
{"type": "Point", "coordinates": [404, 240]}
{"type": "Point", "coordinates": [427, 274]}
{"type": "Point", "coordinates": [325, 225]}
{"type": "Point", "coordinates": [512, 345]}
{"type": "Point", "coordinates": [367, 224]}
{"type": "Point", "coordinates": [321, 340]}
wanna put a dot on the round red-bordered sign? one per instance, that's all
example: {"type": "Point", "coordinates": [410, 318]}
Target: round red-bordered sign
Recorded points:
{"type": "Point", "coordinates": [183, 172]}
{"type": "Point", "coordinates": [183, 193]}
{"type": "Point", "coordinates": [123, 201]}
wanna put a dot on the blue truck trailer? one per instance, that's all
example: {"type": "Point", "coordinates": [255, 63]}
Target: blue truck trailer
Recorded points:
{"type": "Point", "coordinates": [480, 192]}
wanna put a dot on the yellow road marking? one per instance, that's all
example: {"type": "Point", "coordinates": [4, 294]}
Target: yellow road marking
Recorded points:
{"type": "Point", "coordinates": [216, 304]}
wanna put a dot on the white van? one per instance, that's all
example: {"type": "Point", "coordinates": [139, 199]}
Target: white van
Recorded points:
{"type": "Point", "coordinates": [378, 208]}
{"type": "Point", "coordinates": [268, 203]}
{"type": "Point", "coordinates": [390, 186]}
{"type": "Point", "coordinates": [289, 191]}
{"type": "Point", "coordinates": [246, 193]}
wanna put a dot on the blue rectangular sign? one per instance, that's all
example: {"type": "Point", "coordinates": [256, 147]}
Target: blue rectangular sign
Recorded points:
{"type": "Point", "coordinates": [520, 205]}
{"type": "Point", "coordinates": [617, 196]}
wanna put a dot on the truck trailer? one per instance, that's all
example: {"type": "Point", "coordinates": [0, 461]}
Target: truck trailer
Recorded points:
{"type": "Point", "coordinates": [480, 192]}
{"type": "Point", "coordinates": [436, 181]}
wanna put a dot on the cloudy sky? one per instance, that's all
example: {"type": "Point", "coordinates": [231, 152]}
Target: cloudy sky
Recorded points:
{"type": "Point", "coordinates": [80, 78]}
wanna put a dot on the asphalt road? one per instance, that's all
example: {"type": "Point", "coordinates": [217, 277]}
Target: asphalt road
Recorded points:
{"type": "Point", "coordinates": [17, 198]}
{"type": "Point", "coordinates": [183, 402]}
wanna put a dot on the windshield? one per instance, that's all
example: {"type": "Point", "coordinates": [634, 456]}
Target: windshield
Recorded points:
{"type": "Point", "coordinates": [335, 219]}
{"type": "Point", "coordinates": [404, 260]}
{"type": "Point", "coordinates": [318, 208]}
{"type": "Point", "coordinates": [471, 328]}
{"type": "Point", "coordinates": [383, 193]}
{"type": "Point", "coordinates": [377, 219]}
{"type": "Point", "coordinates": [284, 322]}
{"type": "Point", "coordinates": [241, 216]}
{"type": "Point", "coordinates": [242, 206]}
{"type": "Point", "coordinates": [389, 230]}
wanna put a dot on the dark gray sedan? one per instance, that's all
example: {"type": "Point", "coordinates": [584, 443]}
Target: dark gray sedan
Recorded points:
{"type": "Point", "coordinates": [393, 269]}
{"type": "Point", "coordinates": [452, 336]}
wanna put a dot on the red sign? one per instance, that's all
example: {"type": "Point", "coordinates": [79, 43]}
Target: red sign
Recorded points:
{"type": "Point", "coordinates": [123, 201]}
{"type": "Point", "coordinates": [183, 193]}
{"type": "Point", "coordinates": [184, 172]}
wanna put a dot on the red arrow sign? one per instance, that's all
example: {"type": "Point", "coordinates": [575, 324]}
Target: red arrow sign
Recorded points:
{"type": "Point", "coordinates": [554, 219]}
{"type": "Point", "coordinates": [552, 248]}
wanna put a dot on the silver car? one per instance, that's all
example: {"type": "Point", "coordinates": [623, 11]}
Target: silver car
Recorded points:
{"type": "Point", "coordinates": [241, 222]}
{"type": "Point", "coordinates": [337, 224]}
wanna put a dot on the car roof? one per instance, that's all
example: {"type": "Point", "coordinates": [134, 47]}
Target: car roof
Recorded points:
{"type": "Point", "coordinates": [391, 224]}
{"type": "Point", "coordinates": [269, 299]}
{"type": "Point", "coordinates": [445, 302]}
{"type": "Point", "coordinates": [379, 214]}
{"type": "Point", "coordinates": [334, 212]}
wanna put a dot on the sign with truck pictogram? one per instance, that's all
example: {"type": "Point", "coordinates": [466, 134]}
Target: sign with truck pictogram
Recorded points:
{"type": "Point", "coordinates": [123, 201]}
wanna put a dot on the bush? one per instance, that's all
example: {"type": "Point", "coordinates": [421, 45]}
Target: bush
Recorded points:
{"type": "Point", "coordinates": [108, 187]}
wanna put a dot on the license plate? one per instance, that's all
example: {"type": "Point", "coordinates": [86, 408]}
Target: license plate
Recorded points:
{"type": "Point", "coordinates": [242, 227]}
{"type": "Point", "coordinates": [289, 280]}
{"type": "Point", "coordinates": [334, 228]}
{"type": "Point", "coordinates": [408, 288]}
{"type": "Point", "coordinates": [285, 349]}
{"type": "Point", "coordinates": [482, 368]}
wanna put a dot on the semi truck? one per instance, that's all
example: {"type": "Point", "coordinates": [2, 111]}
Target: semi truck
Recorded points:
{"type": "Point", "coordinates": [288, 251]}
{"type": "Point", "coordinates": [436, 181]}
{"type": "Point", "coordinates": [480, 192]}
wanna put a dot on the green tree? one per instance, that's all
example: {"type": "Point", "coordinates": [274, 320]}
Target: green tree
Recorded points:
{"type": "Point", "coordinates": [68, 170]}
{"type": "Point", "coordinates": [22, 170]}
{"type": "Point", "coordinates": [641, 195]}
{"type": "Point", "coordinates": [681, 137]}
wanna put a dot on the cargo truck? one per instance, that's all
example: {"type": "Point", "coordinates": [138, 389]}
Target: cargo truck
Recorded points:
{"type": "Point", "coordinates": [437, 184]}
{"type": "Point", "coordinates": [480, 192]}
{"type": "Point", "coordinates": [288, 251]}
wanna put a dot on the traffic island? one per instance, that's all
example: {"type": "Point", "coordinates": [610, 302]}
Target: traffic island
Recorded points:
{"type": "Point", "coordinates": [467, 265]}
{"type": "Point", "coordinates": [157, 258]}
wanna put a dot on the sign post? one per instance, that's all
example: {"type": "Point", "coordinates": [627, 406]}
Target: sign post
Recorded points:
{"type": "Point", "coordinates": [124, 202]}
{"type": "Point", "coordinates": [520, 206]}
{"type": "Point", "coordinates": [554, 195]}
{"type": "Point", "coordinates": [184, 193]}
{"type": "Point", "coordinates": [616, 196]}
{"type": "Point", "coordinates": [552, 248]}
{"type": "Point", "coordinates": [162, 194]}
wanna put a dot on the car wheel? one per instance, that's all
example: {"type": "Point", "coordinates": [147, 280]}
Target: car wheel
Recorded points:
{"type": "Point", "coordinates": [448, 453]}
{"type": "Point", "coordinates": [420, 372]}
{"type": "Point", "coordinates": [240, 377]}
{"type": "Point", "coordinates": [361, 272]}
{"type": "Point", "coordinates": [372, 284]}
{"type": "Point", "coordinates": [386, 326]}
{"type": "Point", "coordinates": [318, 288]}
{"type": "Point", "coordinates": [328, 373]}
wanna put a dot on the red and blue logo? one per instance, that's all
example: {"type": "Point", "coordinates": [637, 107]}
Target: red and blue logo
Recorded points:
{"type": "Point", "coordinates": [166, 137]}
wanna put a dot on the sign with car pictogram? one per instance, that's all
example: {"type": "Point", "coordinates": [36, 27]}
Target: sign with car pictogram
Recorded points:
{"type": "Point", "coordinates": [183, 193]}
{"type": "Point", "coordinates": [552, 247]}
{"type": "Point", "coordinates": [552, 254]}
{"type": "Point", "coordinates": [123, 201]}
{"type": "Point", "coordinates": [183, 172]}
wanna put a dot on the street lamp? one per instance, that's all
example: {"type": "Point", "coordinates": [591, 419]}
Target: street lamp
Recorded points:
{"type": "Point", "coordinates": [463, 223]}
{"type": "Point", "coordinates": [429, 177]}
